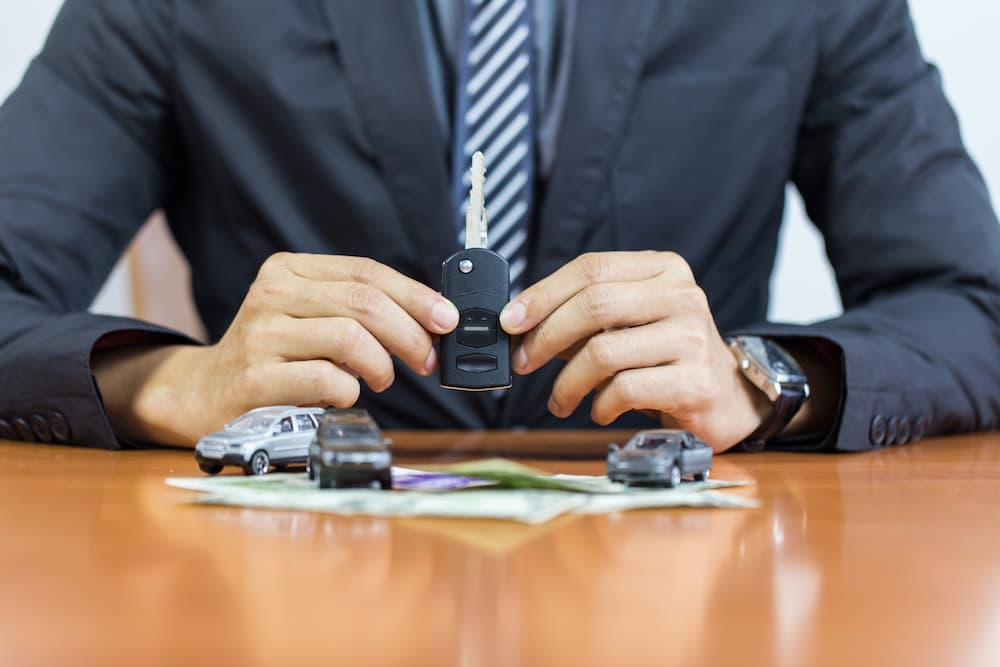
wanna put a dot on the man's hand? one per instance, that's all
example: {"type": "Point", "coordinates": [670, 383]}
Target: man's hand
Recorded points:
{"type": "Point", "coordinates": [635, 327]}
{"type": "Point", "coordinates": [311, 328]}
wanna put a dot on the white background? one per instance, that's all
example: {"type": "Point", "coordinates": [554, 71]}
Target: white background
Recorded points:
{"type": "Point", "coordinates": [960, 36]}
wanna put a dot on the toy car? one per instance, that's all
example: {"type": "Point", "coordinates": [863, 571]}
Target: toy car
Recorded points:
{"type": "Point", "coordinates": [660, 457]}
{"type": "Point", "coordinates": [349, 451]}
{"type": "Point", "coordinates": [278, 435]}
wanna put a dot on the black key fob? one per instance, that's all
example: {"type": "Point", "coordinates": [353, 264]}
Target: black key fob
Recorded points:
{"type": "Point", "coordinates": [476, 355]}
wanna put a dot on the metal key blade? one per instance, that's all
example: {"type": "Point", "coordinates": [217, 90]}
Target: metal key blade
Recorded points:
{"type": "Point", "coordinates": [475, 215]}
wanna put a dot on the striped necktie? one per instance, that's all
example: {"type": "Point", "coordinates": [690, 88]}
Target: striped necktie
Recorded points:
{"type": "Point", "coordinates": [493, 114]}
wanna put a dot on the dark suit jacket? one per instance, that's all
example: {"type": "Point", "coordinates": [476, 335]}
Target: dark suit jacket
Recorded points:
{"type": "Point", "coordinates": [309, 126]}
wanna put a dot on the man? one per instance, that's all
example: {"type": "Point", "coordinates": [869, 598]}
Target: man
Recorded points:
{"type": "Point", "coordinates": [309, 158]}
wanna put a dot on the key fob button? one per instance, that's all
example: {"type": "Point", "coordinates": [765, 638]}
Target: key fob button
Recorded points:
{"type": "Point", "coordinates": [477, 363]}
{"type": "Point", "coordinates": [477, 328]}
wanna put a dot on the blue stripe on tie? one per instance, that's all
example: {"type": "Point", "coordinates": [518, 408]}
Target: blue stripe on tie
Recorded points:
{"type": "Point", "coordinates": [493, 112]}
{"type": "Point", "coordinates": [485, 43]}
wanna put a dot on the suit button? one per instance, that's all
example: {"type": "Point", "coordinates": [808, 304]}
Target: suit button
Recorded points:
{"type": "Point", "coordinates": [23, 429]}
{"type": "Point", "coordinates": [59, 427]}
{"type": "Point", "coordinates": [892, 431]}
{"type": "Point", "coordinates": [7, 431]}
{"type": "Point", "coordinates": [920, 427]}
{"type": "Point", "coordinates": [40, 428]}
{"type": "Point", "coordinates": [905, 432]}
{"type": "Point", "coordinates": [876, 433]}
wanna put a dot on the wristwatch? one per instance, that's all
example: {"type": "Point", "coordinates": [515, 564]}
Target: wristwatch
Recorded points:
{"type": "Point", "coordinates": [770, 368]}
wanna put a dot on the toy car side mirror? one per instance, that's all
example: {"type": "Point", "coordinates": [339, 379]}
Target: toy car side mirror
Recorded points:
{"type": "Point", "coordinates": [613, 448]}
{"type": "Point", "coordinates": [387, 441]}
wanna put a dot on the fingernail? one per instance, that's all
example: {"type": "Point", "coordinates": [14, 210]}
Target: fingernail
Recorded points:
{"type": "Point", "coordinates": [431, 362]}
{"type": "Point", "coordinates": [554, 407]}
{"type": "Point", "coordinates": [520, 359]}
{"type": "Point", "coordinates": [512, 316]}
{"type": "Point", "coordinates": [444, 315]}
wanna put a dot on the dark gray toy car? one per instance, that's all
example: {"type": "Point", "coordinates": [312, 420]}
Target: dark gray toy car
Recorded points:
{"type": "Point", "coordinates": [659, 457]}
{"type": "Point", "coordinates": [349, 451]}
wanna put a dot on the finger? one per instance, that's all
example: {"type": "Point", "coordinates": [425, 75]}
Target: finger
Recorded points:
{"type": "Point", "coordinates": [314, 382]}
{"type": "Point", "coordinates": [607, 354]}
{"type": "Point", "coordinates": [391, 325]}
{"type": "Point", "coordinates": [677, 389]}
{"type": "Point", "coordinates": [540, 300]}
{"type": "Point", "coordinates": [434, 312]}
{"type": "Point", "coordinates": [595, 308]}
{"type": "Point", "coordinates": [341, 340]}
{"type": "Point", "coordinates": [571, 351]}
{"type": "Point", "coordinates": [634, 389]}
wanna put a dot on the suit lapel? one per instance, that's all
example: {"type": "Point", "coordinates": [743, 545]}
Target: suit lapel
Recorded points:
{"type": "Point", "coordinates": [384, 59]}
{"type": "Point", "coordinates": [610, 43]}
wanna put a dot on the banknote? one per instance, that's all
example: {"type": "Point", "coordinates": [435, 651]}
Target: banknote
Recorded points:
{"type": "Point", "coordinates": [422, 480]}
{"type": "Point", "coordinates": [403, 479]}
{"type": "Point", "coordinates": [653, 498]}
{"type": "Point", "coordinates": [532, 506]}
{"type": "Point", "coordinates": [510, 474]}
{"type": "Point", "coordinates": [523, 504]}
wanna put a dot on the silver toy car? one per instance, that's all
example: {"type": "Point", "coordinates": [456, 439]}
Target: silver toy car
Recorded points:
{"type": "Point", "coordinates": [278, 435]}
{"type": "Point", "coordinates": [659, 457]}
{"type": "Point", "coordinates": [349, 451]}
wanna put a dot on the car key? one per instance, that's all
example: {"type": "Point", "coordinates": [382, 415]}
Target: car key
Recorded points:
{"type": "Point", "coordinates": [476, 355]}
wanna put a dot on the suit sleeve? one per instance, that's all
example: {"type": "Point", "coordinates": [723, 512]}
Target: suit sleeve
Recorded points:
{"type": "Point", "coordinates": [909, 230]}
{"type": "Point", "coordinates": [84, 153]}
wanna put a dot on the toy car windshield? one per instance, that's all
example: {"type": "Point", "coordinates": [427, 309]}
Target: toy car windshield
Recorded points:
{"type": "Point", "coordinates": [255, 421]}
{"type": "Point", "coordinates": [657, 438]}
{"type": "Point", "coordinates": [350, 431]}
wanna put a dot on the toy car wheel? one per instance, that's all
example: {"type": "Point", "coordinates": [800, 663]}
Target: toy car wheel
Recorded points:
{"type": "Point", "coordinates": [675, 477]}
{"type": "Point", "coordinates": [210, 468]}
{"type": "Point", "coordinates": [702, 476]}
{"type": "Point", "coordinates": [311, 471]}
{"type": "Point", "coordinates": [385, 481]}
{"type": "Point", "coordinates": [259, 464]}
{"type": "Point", "coordinates": [325, 479]}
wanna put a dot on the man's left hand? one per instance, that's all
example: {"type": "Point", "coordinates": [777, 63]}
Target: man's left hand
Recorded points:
{"type": "Point", "coordinates": [635, 327]}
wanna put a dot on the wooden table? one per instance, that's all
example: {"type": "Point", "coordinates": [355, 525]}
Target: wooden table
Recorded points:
{"type": "Point", "coordinates": [886, 558]}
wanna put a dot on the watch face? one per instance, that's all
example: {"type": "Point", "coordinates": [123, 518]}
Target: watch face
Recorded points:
{"type": "Point", "coordinates": [773, 359]}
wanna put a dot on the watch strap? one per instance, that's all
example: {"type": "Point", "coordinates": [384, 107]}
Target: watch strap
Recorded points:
{"type": "Point", "coordinates": [782, 412]}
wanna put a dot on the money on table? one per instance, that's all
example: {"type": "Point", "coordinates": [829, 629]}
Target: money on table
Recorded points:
{"type": "Point", "coordinates": [493, 489]}
{"type": "Point", "coordinates": [403, 479]}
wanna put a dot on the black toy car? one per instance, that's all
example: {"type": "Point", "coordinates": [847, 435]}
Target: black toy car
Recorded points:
{"type": "Point", "coordinates": [660, 457]}
{"type": "Point", "coordinates": [349, 451]}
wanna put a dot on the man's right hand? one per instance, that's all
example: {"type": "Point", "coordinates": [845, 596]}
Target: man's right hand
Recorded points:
{"type": "Point", "coordinates": [310, 329]}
